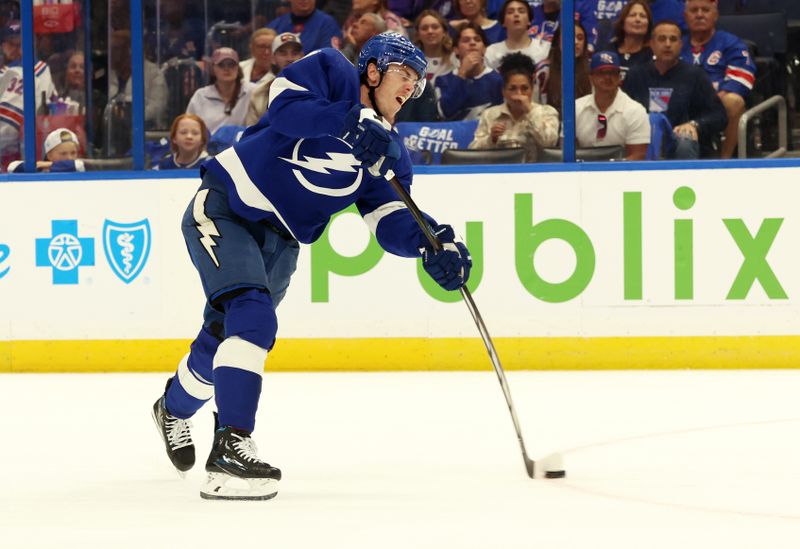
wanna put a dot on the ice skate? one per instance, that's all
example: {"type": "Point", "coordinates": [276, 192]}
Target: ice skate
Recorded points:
{"type": "Point", "coordinates": [234, 470]}
{"type": "Point", "coordinates": [176, 434]}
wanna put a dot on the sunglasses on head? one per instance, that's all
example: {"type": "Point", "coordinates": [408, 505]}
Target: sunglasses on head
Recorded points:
{"type": "Point", "coordinates": [227, 64]}
{"type": "Point", "coordinates": [602, 126]}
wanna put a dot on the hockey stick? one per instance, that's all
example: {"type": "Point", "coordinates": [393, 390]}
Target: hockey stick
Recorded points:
{"type": "Point", "coordinates": [553, 469]}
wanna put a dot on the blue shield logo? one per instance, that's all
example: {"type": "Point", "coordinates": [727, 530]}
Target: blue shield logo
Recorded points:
{"type": "Point", "coordinates": [127, 246]}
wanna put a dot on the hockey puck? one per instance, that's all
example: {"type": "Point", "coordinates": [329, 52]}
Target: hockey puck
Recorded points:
{"type": "Point", "coordinates": [555, 474]}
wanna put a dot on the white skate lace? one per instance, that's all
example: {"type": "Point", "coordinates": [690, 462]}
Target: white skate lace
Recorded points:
{"type": "Point", "coordinates": [246, 447]}
{"type": "Point", "coordinates": [179, 434]}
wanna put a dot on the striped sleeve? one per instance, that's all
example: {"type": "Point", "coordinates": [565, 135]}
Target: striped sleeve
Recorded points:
{"type": "Point", "coordinates": [740, 70]}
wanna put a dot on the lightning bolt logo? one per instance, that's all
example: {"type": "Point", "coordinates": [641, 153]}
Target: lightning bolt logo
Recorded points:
{"type": "Point", "coordinates": [340, 162]}
{"type": "Point", "coordinates": [205, 226]}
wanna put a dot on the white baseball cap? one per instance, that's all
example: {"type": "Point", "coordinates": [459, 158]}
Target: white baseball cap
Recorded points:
{"type": "Point", "coordinates": [286, 38]}
{"type": "Point", "coordinates": [57, 137]}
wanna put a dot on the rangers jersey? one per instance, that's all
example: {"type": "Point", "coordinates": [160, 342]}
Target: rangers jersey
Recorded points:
{"type": "Point", "coordinates": [292, 170]}
{"type": "Point", "coordinates": [726, 60]}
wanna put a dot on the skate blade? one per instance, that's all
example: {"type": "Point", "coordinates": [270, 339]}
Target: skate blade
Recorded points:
{"type": "Point", "coordinates": [228, 487]}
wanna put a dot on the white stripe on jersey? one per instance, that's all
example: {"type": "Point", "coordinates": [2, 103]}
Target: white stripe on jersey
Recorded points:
{"type": "Point", "coordinates": [374, 217]}
{"type": "Point", "coordinates": [199, 389]}
{"type": "Point", "coordinates": [280, 85]}
{"type": "Point", "coordinates": [245, 188]}
{"type": "Point", "coordinates": [235, 352]}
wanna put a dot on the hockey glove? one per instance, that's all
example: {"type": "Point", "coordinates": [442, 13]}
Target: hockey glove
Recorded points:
{"type": "Point", "coordinates": [371, 140]}
{"type": "Point", "coordinates": [448, 267]}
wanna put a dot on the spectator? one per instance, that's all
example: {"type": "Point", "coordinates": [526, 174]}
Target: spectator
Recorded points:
{"type": "Point", "coordinates": [224, 101]}
{"type": "Point", "coordinates": [516, 18]}
{"type": "Point", "coordinates": [474, 11]}
{"type": "Point", "coordinates": [75, 79]}
{"type": "Point", "coordinates": [680, 90]}
{"type": "Point", "coordinates": [632, 35]}
{"type": "Point", "coordinates": [258, 68]}
{"type": "Point", "coordinates": [518, 121]}
{"type": "Point", "coordinates": [317, 29]}
{"type": "Point", "coordinates": [367, 26]}
{"type": "Point", "coordinates": [607, 12]}
{"type": "Point", "coordinates": [360, 7]}
{"type": "Point", "coordinates": [472, 87]}
{"type": "Point", "coordinates": [725, 59]}
{"type": "Point", "coordinates": [188, 138]}
{"type": "Point", "coordinates": [434, 41]}
{"type": "Point", "coordinates": [546, 17]}
{"type": "Point", "coordinates": [608, 116]}
{"type": "Point", "coordinates": [120, 82]}
{"type": "Point", "coordinates": [11, 92]}
{"type": "Point", "coordinates": [286, 49]}
{"type": "Point", "coordinates": [407, 9]}
{"type": "Point", "coordinates": [548, 74]}
{"type": "Point", "coordinates": [60, 152]}
{"type": "Point", "coordinates": [180, 35]}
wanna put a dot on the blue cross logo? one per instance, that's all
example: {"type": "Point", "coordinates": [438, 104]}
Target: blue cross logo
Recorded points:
{"type": "Point", "coordinates": [65, 252]}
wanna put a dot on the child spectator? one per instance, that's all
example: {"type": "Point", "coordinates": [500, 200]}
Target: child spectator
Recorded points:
{"type": "Point", "coordinates": [60, 152]}
{"type": "Point", "coordinates": [430, 30]}
{"type": "Point", "coordinates": [518, 121]}
{"type": "Point", "coordinates": [188, 138]}
{"type": "Point", "coordinates": [224, 101]}
{"type": "Point", "coordinates": [258, 68]}
{"type": "Point", "coordinates": [516, 17]}
{"type": "Point", "coordinates": [474, 11]}
{"type": "Point", "coordinates": [472, 87]}
{"type": "Point", "coordinates": [548, 74]}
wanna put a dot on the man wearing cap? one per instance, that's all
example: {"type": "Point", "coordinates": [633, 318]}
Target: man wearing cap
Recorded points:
{"type": "Point", "coordinates": [11, 90]}
{"type": "Point", "coordinates": [681, 92]}
{"type": "Point", "coordinates": [316, 28]}
{"type": "Point", "coordinates": [60, 152]}
{"type": "Point", "coordinates": [286, 49]}
{"type": "Point", "coordinates": [608, 116]}
{"type": "Point", "coordinates": [726, 60]}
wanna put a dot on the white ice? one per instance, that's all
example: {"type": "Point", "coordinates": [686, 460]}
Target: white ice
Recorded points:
{"type": "Point", "coordinates": [687, 459]}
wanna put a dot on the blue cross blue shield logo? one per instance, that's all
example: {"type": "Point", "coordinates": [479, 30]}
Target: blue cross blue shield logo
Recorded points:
{"type": "Point", "coordinates": [64, 252]}
{"type": "Point", "coordinates": [127, 246]}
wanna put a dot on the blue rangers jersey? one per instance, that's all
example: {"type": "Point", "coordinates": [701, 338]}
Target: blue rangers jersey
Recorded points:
{"type": "Point", "coordinates": [726, 60]}
{"type": "Point", "coordinates": [291, 169]}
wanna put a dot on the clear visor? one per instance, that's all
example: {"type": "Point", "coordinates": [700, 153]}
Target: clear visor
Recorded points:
{"type": "Point", "coordinates": [419, 83]}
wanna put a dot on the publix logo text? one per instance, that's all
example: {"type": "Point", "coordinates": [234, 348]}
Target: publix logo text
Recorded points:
{"type": "Point", "coordinates": [531, 232]}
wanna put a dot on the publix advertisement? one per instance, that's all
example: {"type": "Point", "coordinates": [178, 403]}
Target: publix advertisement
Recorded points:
{"type": "Point", "coordinates": [582, 254]}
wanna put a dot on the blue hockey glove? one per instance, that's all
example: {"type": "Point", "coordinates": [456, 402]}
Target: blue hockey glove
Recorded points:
{"type": "Point", "coordinates": [449, 267]}
{"type": "Point", "coordinates": [371, 140]}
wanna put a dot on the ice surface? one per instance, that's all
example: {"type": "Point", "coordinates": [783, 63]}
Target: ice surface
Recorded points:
{"type": "Point", "coordinates": [685, 459]}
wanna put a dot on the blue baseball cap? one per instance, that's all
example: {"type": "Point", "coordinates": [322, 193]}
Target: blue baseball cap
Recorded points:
{"type": "Point", "coordinates": [604, 60]}
{"type": "Point", "coordinates": [11, 30]}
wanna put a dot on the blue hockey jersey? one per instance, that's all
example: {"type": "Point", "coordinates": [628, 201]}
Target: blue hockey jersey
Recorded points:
{"type": "Point", "coordinates": [291, 168]}
{"type": "Point", "coordinates": [726, 60]}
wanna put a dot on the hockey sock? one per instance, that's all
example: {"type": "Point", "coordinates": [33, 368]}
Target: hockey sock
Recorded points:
{"type": "Point", "coordinates": [193, 385]}
{"type": "Point", "coordinates": [237, 382]}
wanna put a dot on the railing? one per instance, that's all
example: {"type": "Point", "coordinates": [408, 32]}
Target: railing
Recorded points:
{"type": "Point", "coordinates": [776, 101]}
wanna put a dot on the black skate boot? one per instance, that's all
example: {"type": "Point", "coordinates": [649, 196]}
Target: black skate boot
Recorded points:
{"type": "Point", "coordinates": [234, 470]}
{"type": "Point", "coordinates": [176, 434]}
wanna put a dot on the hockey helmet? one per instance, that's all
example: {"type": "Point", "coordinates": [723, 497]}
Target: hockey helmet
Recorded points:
{"type": "Point", "coordinates": [388, 48]}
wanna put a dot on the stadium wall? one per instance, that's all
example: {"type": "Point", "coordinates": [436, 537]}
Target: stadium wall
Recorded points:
{"type": "Point", "coordinates": [574, 269]}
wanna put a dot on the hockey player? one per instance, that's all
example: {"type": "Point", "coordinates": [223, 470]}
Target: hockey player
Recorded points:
{"type": "Point", "coordinates": [726, 60]}
{"type": "Point", "coordinates": [326, 142]}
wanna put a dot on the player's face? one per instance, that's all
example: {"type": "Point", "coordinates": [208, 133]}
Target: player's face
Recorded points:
{"type": "Point", "coordinates": [470, 8]}
{"type": "Point", "coordinates": [605, 80]}
{"type": "Point", "coordinates": [395, 89]}
{"type": "Point", "coordinates": [516, 16]}
{"type": "Point", "coordinates": [636, 21]}
{"type": "Point", "coordinates": [286, 55]}
{"type": "Point", "coordinates": [666, 43]}
{"type": "Point", "coordinates": [430, 32]}
{"type": "Point", "coordinates": [188, 136]}
{"type": "Point", "coordinates": [63, 151]}
{"type": "Point", "coordinates": [701, 15]}
{"type": "Point", "coordinates": [469, 42]}
{"type": "Point", "coordinates": [518, 86]}
{"type": "Point", "coordinates": [262, 50]}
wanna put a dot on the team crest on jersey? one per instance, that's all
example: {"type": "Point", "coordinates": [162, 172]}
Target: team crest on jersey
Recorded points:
{"type": "Point", "coordinates": [714, 58]}
{"type": "Point", "coordinates": [323, 166]}
{"type": "Point", "coordinates": [127, 246]}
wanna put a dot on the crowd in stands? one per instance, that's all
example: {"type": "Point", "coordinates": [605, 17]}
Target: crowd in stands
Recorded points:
{"type": "Point", "coordinates": [656, 77]}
